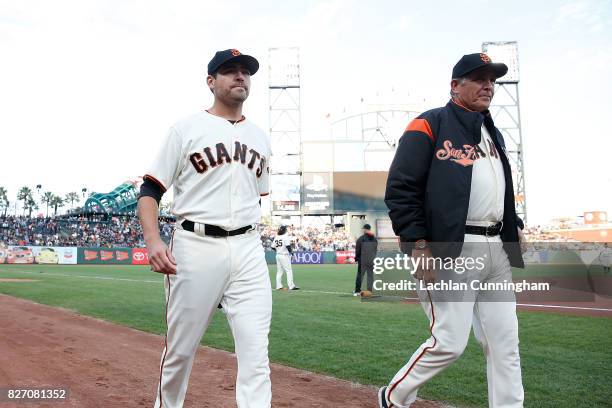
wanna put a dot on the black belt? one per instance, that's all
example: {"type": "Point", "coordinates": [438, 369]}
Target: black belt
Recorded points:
{"type": "Point", "coordinates": [215, 231]}
{"type": "Point", "coordinates": [490, 231]}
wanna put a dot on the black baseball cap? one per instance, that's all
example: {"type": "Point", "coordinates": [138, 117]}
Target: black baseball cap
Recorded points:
{"type": "Point", "coordinates": [367, 227]}
{"type": "Point", "coordinates": [472, 62]}
{"type": "Point", "coordinates": [222, 57]}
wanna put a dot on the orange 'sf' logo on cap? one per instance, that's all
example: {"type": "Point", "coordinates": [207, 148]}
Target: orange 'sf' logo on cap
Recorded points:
{"type": "Point", "coordinates": [485, 58]}
{"type": "Point", "coordinates": [235, 53]}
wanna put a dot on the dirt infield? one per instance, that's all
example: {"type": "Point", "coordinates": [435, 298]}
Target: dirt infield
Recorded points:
{"type": "Point", "coordinates": [105, 365]}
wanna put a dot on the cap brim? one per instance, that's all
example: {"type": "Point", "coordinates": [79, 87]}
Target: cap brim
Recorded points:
{"type": "Point", "coordinates": [498, 68]}
{"type": "Point", "coordinates": [249, 62]}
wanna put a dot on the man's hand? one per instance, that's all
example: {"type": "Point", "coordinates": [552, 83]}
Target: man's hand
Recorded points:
{"type": "Point", "coordinates": [161, 258]}
{"type": "Point", "coordinates": [422, 272]}
{"type": "Point", "coordinates": [522, 240]}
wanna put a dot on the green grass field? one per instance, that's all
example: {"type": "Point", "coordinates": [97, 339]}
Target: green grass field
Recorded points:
{"type": "Point", "coordinates": [566, 360]}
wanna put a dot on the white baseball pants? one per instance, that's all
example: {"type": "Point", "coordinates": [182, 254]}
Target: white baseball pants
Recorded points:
{"type": "Point", "coordinates": [495, 327]}
{"type": "Point", "coordinates": [283, 265]}
{"type": "Point", "coordinates": [231, 271]}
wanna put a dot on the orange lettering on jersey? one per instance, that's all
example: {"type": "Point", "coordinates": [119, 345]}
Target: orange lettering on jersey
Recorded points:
{"type": "Point", "coordinates": [240, 151]}
{"type": "Point", "coordinates": [198, 162]}
{"type": "Point", "coordinates": [464, 156]}
{"type": "Point", "coordinates": [262, 163]}
{"type": "Point", "coordinates": [492, 149]}
{"type": "Point", "coordinates": [479, 152]}
{"type": "Point", "coordinates": [202, 162]}
{"type": "Point", "coordinates": [209, 156]}
{"type": "Point", "coordinates": [222, 154]}
{"type": "Point", "coordinates": [255, 156]}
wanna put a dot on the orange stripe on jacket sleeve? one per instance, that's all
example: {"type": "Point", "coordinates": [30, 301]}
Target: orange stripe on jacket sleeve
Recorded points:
{"type": "Point", "coordinates": [421, 125]}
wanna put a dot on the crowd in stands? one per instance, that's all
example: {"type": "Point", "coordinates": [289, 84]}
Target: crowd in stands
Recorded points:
{"type": "Point", "coordinates": [537, 234]}
{"type": "Point", "coordinates": [76, 231]}
{"type": "Point", "coordinates": [326, 238]}
{"type": "Point", "coordinates": [102, 231]}
{"type": "Point", "coordinates": [126, 231]}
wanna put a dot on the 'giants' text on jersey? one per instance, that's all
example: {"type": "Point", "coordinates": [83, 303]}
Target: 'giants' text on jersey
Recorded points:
{"type": "Point", "coordinates": [207, 159]}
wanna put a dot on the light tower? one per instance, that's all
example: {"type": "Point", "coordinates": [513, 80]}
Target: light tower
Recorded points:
{"type": "Point", "coordinates": [285, 130]}
{"type": "Point", "coordinates": [506, 113]}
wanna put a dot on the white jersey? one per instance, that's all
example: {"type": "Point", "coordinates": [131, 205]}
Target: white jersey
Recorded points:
{"type": "Point", "coordinates": [488, 184]}
{"type": "Point", "coordinates": [218, 170]}
{"type": "Point", "coordinates": [281, 242]}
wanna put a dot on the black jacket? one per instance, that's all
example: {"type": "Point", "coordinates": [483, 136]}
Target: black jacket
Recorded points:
{"type": "Point", "coordinates": [429, 182]}
{"type": "Point", "coordinates": [365, 249]}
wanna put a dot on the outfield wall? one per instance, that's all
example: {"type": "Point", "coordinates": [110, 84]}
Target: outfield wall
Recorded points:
{"type": "Point", "coordinates": [139, 256]}
{"type": "Point", "coordinates": [308, 257]}
{"type": "Point", "coordinates": [25, 254]}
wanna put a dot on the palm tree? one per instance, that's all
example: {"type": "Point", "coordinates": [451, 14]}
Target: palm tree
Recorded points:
{"type": "Point", "coordinates": [25, 194]}
{"type": "Point", "coordinates": [30, 205]}
{"type": "Point", "coordinates": [7, 204]}
{"type": "Point", "coordinates": [47, 197]}
{"type": "Point", "coordinates": [72, 197]}
{"type": "Point", "coordinates": [56, 201]}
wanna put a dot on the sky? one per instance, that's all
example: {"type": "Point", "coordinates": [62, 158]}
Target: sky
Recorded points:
{"type": "Point", "coordinates": [88, 89]}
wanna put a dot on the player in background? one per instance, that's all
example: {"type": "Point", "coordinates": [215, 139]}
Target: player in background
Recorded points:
{"type": "Point", "coordinates": [284, 245]}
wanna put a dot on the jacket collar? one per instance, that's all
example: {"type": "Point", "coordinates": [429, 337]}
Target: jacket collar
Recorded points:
{"type": "Point", "coordinates": [471, 120]}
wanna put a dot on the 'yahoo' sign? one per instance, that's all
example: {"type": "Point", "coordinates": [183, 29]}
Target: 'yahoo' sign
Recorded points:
{"type": "Point", "coordinates": [307, 258]}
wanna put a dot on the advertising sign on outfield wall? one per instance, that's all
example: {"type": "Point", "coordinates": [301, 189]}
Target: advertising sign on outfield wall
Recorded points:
{"type": "Point", "coordinates": [345, 257]}
{"type": "Point", "coordinates": [67, 255]}
{"type": "Point", "coordinates": [307, 258]}
{"type": "Point", "coordinates": [39, 255]}
{"type": "Point", "coordinates": [108, 256]}
{"type": "Point", "coordinates": [140, 256]}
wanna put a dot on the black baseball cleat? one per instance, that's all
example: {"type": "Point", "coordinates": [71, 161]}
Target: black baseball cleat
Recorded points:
{"type": "Point", "coordinates": [382, 398]}
{"type": "Point", "coordinates": [295, 288]}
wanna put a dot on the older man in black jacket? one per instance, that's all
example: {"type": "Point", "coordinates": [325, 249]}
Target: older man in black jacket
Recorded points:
{"type": "Point", "coordinates": [450, 196]}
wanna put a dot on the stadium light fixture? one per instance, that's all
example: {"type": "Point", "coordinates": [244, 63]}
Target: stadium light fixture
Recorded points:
{"type": "Point", "coordinates": [506, 52]}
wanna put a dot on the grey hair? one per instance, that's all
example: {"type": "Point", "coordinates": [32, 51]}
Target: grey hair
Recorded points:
{"type": "Point", "coordinates": [461, 81]}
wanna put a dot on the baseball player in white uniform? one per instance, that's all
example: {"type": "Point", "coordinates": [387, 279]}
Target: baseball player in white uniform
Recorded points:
{"type": "Point", "coordinates": [450, 190]}
{"type": "Point", "coordinates": [217, 162]}
{"type": "Point", "coordinates": [283, 245]}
